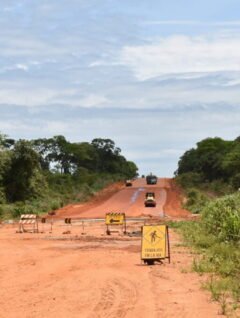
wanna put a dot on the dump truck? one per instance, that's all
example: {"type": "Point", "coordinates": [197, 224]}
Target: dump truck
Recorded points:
{"type": "Point", "coordinates": [150, 200]}
{"type": "Point", "coordinates": [151, 179]}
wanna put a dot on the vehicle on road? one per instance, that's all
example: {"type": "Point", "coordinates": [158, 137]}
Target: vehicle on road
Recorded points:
{"type": "Point", "coordinates": [128, 183]}
{"type": "Point", "coordinates": [150, 200]}
{"type": "Point", "coordinates": [151, 179]}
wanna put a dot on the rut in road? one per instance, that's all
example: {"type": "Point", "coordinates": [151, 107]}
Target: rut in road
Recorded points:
{"type": "Point", "coordinates": [117, 298]}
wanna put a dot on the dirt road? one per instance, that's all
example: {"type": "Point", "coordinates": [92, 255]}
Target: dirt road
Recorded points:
{"type": "Point", "coordinates": [92, 275]}
{"type": "Point", "coordinates": [131, 201]}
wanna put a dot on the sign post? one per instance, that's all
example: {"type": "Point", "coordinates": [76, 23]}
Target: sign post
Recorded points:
{"type": "Point", "coordinates": [113, 219]}
{"type": "Point", "coordinates": [43, 221]}
{"type": "Point", "coordinates": [155, 243]}
{"type": "Point", "coordinates": [68, 221]}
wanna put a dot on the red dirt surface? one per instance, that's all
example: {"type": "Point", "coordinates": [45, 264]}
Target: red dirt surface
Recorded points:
{"type": "Point", "coordinates": [88, 274]}
{"type": "Point", "coordinates": [173, 206]}
{"type": "Point", "coordinates": [118, 198]}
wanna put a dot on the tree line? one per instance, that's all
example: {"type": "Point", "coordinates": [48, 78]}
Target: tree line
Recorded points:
{"type": "Point", "coordinates": [212, 159]}
{"type": "Point", "coordinates": [28, 167]}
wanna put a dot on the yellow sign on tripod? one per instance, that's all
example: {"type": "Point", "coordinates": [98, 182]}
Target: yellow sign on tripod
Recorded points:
{"type": "Point", "coordinates": [155, 243]}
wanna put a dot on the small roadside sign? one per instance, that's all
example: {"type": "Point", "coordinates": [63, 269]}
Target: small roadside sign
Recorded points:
{"type": "Point", "coordinates": [115, 218]}
{"type": "Point", "coordinates": [155, 243]}
{"type": "Point", "coordinates": [112, 219]}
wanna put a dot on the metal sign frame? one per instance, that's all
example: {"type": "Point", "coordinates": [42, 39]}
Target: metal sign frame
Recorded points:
{"type": "Point", "coordinates": [151, 258]}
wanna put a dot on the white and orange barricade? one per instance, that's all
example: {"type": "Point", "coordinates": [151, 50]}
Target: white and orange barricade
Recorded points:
{"type": "Point", "coordinates": [28, 223]}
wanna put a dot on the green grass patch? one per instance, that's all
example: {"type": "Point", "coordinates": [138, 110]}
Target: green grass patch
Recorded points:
{"type": "Point", "coordinates": [220, 259]}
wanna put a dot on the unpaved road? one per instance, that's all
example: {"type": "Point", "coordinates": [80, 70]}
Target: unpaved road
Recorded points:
{"type": "Point", "coordinates": [131, 201]}
{"type": "Point", "coordinates": [53, 275]}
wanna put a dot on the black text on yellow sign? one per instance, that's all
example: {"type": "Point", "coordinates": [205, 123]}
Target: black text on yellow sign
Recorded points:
{"type": "Point", "coordinates": [115, 218]}
{"type": "Point", "coordinates": [155, 242]}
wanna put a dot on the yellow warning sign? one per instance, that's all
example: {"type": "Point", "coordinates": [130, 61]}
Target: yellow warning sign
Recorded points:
{"type": "Point", "coordinates": [115, 218]}
{"type": "Point", "coordinates": [155, 242]}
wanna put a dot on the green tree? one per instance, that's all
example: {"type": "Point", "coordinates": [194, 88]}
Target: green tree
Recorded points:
{"type": "Point", "coordinates": [131, 170]}
{"type": "Point", "coordinates": [107, 153]}
{"type": "Point", "coordinates": [206, 159]}
{"type": "Point", "coordinates": [231, 161]}
{"type": "Point", "coordinates": [55, 153]}
{"type": "Point", "coordinates": [84, 155]}
{"type": "Point", "coordinates": [24, 179]}
{"type": "Point", "coordinates": [188, 162]}
{"type": "Point", "coordinates": [211, 152]}
{"type": "Point", "coordinates": [5, 159]}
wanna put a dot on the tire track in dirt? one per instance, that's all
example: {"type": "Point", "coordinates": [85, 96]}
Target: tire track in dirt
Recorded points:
{"type": "Point", "coordinates": [117, 299]}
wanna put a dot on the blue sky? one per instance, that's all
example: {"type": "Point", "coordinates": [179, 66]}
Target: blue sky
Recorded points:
{"type": "Point", "coordinates": [154, 76]}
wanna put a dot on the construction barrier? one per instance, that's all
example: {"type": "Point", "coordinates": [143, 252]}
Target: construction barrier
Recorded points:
{"type": "Point", "coordinates": [155, 243]}
{"type": "Point", "coordinates": [28, 223]}
{"type": "Point", "coordinates": [113, 219]}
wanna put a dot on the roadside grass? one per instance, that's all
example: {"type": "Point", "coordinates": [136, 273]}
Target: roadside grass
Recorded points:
{"type": "Point", "coordinates": [198, 193]}
{"type": "Point", "coordinates": [196, 200]}
{"type": "Point", "coordinates": [220, 260]}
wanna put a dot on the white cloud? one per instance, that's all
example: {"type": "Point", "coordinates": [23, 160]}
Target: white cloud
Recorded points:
{"type": "Point", "coordinates": [182, 54]}
{"type": "Point", "coordinates": [27, 96]}
{"type": "Point", "coordinates": [193, 22]}
{"type": "Point", "coordinates": [154, 155]}
{"type": "Point", "coordinates": [234, 82]}
{"type": "Point", "coordinates": [23, 67]}
{"type": "Point", "coordinates": [93, 101]}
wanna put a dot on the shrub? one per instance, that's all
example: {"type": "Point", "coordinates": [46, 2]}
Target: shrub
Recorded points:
{"type": "Point", "coordinates": [2, 196]}
{"type": "Point", "coordinates": [189, 179]}
{"type": "Point", "coordinates": [196, 201]}
{"type": "Point", "coordinates": [235, 181]}
{"type": "Point", "coordinates": [23, 208]}
{"type": "Point", "coordinates": [222, 217]}
{"type": "Point", "coordinates": [1, 211]}
{"type": "Point", "coordinates": [55, 205]}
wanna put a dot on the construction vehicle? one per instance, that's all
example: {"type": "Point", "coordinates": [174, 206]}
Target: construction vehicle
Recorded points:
{"type": "Point", "coordinates": [150, 200]}
{"type": "Point", "coordinates": [151, 179]}
{"type": "Point", "coordinates": [128, 183]}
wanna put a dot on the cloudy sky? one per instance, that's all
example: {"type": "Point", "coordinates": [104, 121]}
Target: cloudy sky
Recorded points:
{"type": "Point", "coordinates": [156, 76]}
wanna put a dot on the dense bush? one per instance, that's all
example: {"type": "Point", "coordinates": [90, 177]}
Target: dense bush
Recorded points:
{"type": "Point", "coordinates": [235, 181]}
{"type": "Point", "coordinates": [222, 217]}
{"type": "Point", "coordinates": [189, 179]}
{"type": "Point", "coordinates": [196, 200]}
